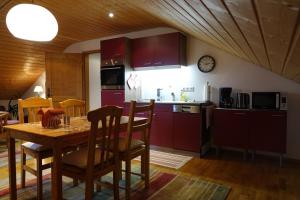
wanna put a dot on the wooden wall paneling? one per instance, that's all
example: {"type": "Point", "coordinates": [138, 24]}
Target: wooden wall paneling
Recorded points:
{"type": "Point", "coordinates": [205, 13]}
{"type": "Point", "coordinates": [197, 18]}
{"type": "Point", "coordinates": [224, 16]}
{"type": "Point", "coordinates": [245, 16]}
{"type": "Point", "coordinates": [278, 20]}
{"type": "Point", "coordinates": [64, 76]}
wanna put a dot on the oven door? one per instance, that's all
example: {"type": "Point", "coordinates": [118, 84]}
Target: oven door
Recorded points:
{"type": "Point", "coordinates": [113, 77]}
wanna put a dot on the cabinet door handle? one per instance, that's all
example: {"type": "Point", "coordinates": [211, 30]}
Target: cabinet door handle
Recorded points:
{"type": "Point", "coordinates": [118, 93]}
{"type": "Point", "coordinates": [240, 113]}
{"type": "Point", "coordinates": [277, 115]}
{"type": "Point", "coordinates": [158, 63]}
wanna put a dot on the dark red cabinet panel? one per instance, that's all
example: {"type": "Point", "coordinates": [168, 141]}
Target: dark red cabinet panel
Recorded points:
{"type": "Point", "coordinates": [250, 129]}
{"type": "Point", "coordinates": [142, 52]}
{"type": "Point", "coordinates": [187, 131]}
{"type": "Point", "coordinates": [113, 51]}
{"type": "Point", "coordinates": [162, 129]}
{"type": "Point", "coordinates": [112, 97]}
{"type": "Point", "coordinates": [166, 49]}
{"type": "Point", "coordinates": [268, 131]}
{"type": "Point", "coordinates": [231, 128]}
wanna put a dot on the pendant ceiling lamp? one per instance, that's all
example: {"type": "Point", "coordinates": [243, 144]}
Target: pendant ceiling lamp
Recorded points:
{"type": "Point", "coordinates": [31, 22]}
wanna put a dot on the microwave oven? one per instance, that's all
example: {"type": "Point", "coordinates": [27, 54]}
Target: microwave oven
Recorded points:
{"type": "Point", "coordinates": [113, 77]}
{"type": "Point", "coordinates": [266, 100]}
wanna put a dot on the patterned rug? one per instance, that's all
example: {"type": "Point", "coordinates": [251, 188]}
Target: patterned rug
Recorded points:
{"type": "Point", "coordinates": [170, 160]}
{"type": "Point", "coordinates": [163, 186]}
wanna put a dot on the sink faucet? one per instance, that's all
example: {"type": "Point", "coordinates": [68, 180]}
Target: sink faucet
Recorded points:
{"type": "Point", "coordinates": [173, 96]}
{"type": "Point", "coordinates": [158, 94]}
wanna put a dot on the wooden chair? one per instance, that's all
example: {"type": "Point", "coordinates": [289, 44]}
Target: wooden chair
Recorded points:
{"type": "Point", "coordinates": [38, 152]}
{"type": "Point", "coordinates": [130, 148]}
{"type": "Point", "coordinates": [3, 122]}
{"type": "Point", "coordinates": [96, 160]}
{"type": "Point", "coordinates": [73, 107]}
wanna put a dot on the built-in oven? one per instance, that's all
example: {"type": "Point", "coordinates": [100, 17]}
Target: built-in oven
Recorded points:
{"type": "Point", "coordinates": [113, 77]}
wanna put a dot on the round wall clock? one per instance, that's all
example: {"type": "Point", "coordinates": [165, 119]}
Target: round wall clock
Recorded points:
{"type": "Point", "coordinates": [206, 63]}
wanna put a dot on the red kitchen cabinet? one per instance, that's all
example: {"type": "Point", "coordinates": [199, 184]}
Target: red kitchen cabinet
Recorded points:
{"type": "Point", "coordinates": [112, 97]}
{"type": "Point", "coordinates": [142, 52]}
{"type": "Point", "coordinates": [260, 130]}
{"type": "Point", "coordinates": [187, 131]}
{"type": "Point", "coordinates": [113, 51]}
{"type": "Point", "coordinates": [230, 128]}
{"type": "Point", "coordinates": [268, 131]}
{"type": "Point", "coordinates": [162, 126]}
{"type": "Point", "coordinates": [160, 50]}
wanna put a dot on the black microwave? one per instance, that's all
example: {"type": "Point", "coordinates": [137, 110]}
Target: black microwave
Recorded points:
{"type": "Point", "coordinates": [266, 100]}
{"type": "Point", "coordinates": [113, 77]}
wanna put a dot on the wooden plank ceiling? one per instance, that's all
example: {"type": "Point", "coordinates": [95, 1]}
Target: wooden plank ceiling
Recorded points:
{"type": "Point", "coordinates": [22, 62]}
{"type": "Point", "coordinates": [264, 32]}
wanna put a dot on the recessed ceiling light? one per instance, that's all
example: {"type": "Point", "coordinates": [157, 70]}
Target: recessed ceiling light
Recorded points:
{"type": "Point", "coordinates": [111, 15]}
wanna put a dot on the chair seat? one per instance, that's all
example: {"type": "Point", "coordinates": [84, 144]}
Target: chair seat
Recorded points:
{"type": "Point", "coordinates": [35, 147]}
{"type": "Point", "coordinates": [134, 144]}
{"type": "Point", "coordinates": [79, 158]}
{"type": "Point", "coordinates": [12, 121]}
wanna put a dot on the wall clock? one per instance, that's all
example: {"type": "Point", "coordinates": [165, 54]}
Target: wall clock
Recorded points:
{"type": "Point", "coordinates": [206, 63]}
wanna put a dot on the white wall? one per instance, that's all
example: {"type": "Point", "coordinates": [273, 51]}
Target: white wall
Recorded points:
{"type": "Point", "coordinates": [40, 81]}
{"type": "Point", "coordinates": [230, 71]}
{"type": "Point", "coordinates": [94, 81]}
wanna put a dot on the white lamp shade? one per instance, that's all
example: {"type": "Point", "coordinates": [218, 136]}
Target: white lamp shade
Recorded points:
{"type": "Point", "coordinates": [31, 22]}
{"type": "Point", "coordinates": [38, 89]}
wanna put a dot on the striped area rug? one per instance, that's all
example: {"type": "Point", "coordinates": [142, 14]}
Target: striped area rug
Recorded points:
{"type": "Point", "coordinates": [163, 186]}
{"type": "Point", "coordinates": [170, 160]}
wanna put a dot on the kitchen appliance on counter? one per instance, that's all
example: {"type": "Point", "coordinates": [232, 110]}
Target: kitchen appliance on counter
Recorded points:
{"type": "Point", "coordinates": [113, 77]}
{"type": "Point", "coordinates": [242, 100]}
{"type": "Point", "coordinates": [225, 99]}
{"type": "Point", "coordinates": [266, 100]}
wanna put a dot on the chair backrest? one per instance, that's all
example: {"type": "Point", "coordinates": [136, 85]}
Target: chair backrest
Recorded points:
{"type": "Point", "coordinates": [73, 107]}
{"type": "Point", "coordinates": [3, 120]}
{"type": "Point", "coordinates": [143, 128]}
{"type": "Point", "coordinates": [108, 117]}
{"type": "Point", "coordinates": [32, 105]}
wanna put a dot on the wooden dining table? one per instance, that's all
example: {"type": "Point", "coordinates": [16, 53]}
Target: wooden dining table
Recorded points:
{"type": "Point", "coordinates": [66, 135]}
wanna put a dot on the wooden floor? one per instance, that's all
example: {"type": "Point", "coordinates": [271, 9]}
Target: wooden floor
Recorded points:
{"type": "Point", "coordinates": [262, 179]}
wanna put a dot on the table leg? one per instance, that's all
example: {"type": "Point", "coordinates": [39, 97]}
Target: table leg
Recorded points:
{"type": "Point", "coordinates": [12, 167]}
{"type": "Point", "coordinates": [56, 174]}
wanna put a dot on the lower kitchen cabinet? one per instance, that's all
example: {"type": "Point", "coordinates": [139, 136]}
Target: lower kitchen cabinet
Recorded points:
{"type": "Point", "coordinates": [230, 128]}
{"type": "Point", "coordinates": [112, 97]}
{"type": "Point", "coordinates": [162, 126]}
{"type": "Point", "coordinates": [187, 130]}
{"type": "Point", "coordinates": [268, 131]}
{"type": "Point", "coordinates": [260, 130]}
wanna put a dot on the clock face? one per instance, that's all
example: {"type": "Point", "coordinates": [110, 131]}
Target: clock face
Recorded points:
{"type": "Point", "coordinates": [206, 63]}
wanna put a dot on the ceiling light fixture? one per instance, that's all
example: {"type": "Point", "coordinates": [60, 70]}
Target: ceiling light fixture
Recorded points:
{"type": "Point", "coordinates": [111, 15]}
{"type": "Point", "coordinates": [31, 22]}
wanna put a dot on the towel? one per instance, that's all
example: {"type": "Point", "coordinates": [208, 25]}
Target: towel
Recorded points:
{"type": "Point", "coordinates": [209, 112]}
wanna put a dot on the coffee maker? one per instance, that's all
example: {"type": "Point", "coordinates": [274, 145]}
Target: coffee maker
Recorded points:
{"type": "Point", "coordinates": [225, 99]}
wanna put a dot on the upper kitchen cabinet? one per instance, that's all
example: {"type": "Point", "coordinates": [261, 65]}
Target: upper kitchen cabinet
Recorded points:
{"type": "Point", "coordinates": [159, 50]}
{"type": "Point", "coordinates": [114, 51]}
